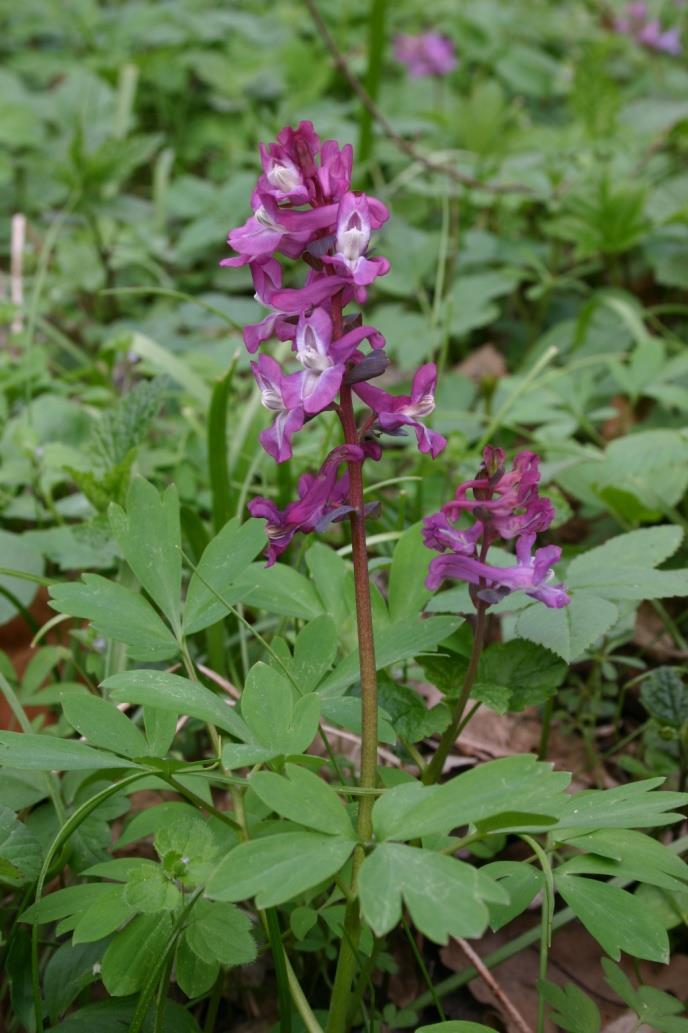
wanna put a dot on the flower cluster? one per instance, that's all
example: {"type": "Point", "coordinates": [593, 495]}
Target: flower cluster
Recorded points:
{"type": "Point", "coordinates": [636, 23]}
{"type": "Point", "coordinates": [504, 505]}
{"type": "Point", "coordinates": [430, 53]}
{"type": "Point", "coordinates": [304, 209]}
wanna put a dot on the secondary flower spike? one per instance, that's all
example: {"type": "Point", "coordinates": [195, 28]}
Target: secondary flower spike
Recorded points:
{"type": "Point", "coordinates": [504, 505]}
{"type": "Point", "coordinates": [304, 210]}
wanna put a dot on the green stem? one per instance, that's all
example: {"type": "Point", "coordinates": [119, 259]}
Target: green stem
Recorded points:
{"type": "Point", "coordinates": [218, 469]}
{"type": "Point", "coordinates": [373, 77]}
{"type": "Point", "coordinates": [423, 969]}
{"type": "Point", "coordinates": [280, 963]}
{"type": "Point", "coordinates": [434, 769]}
{"type": "Point", "coordinates": [546, 925]}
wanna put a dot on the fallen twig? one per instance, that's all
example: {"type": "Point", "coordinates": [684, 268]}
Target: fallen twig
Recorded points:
{"type": "Point", "coordinates": [490, 981]}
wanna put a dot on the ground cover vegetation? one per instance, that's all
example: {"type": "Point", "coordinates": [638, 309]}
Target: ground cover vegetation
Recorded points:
{"type": "Point", "coordinates": [343, 472]}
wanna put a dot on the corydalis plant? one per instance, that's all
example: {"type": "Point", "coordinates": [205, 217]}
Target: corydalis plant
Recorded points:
{"type": "Point", "coordinates": [505, 506]}
{"type": "Point", "coordinates": [304, 209]}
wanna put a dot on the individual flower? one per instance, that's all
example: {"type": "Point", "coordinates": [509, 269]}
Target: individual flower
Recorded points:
{"type": "Point", "coordinates": [354, 223]}
{"type": "Point", "coordinates": [324, 360]}
{"type": "Point", "coordinates": [334, 174]}
{"type": "Point", "coordinates": [280, 395]}
{"type": "Point", "coordinates": [320, 503]}
{"type": "Point", "coordinates": [267, 278]}
{"type": "Point", "coordinates": [394, 412]}
{"type": "Point", "coordinates": [429, 53]}
{"type": "Point", "coordinates": [441, 535]}
{"type": "Point", "coordinates": [531, 574]}
{"type": "Point", "coordinates": [273, 228]}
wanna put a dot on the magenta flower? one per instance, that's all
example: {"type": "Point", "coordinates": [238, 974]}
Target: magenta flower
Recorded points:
{"type": "Point", "coordinates": [267, 278]}
{"type": "Point", "coordinates": [508, 504]}
{"type": "Point", "coordinates": [273, 228]}
{"type": "Point", "coordinates": [393, 413]}
{"type": "Point", "coordinates": [279, 394]}
{"type": "Point", "coordinates": [430, 53]}
{"type": "Point", "coordinates": [439, 534]}
{"type": "Point", "coordinates": [354, 224]}
{"type": "Point", "coordinates": [334, 174]}
{"type": "Point", "coordinates": [324, 361]}
{"type": "Point", "coordinates": [320, 503]}
{"type": "Point", "coordinates": [531, 574]}
{"type": "Point", "coordinates": [665, 42]}
{"type": "Point", "coordinates": [648, 32]}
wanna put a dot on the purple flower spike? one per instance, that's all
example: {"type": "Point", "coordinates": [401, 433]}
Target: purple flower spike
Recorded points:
{"type": "Point", "coordinates": [507, 503]}
{"type": "Point", "coordinates": [430, 53]}
{"type": "Point", "coordinates": [648, 32]}
{"type": "Point", "coordinates": [319, 495]}
{"type": "Point", "coordinates": [279, 394]}
{"type": "Point", "coordinates": [530, 574]}
{"type": "Point", "coordinates": [394, 412]}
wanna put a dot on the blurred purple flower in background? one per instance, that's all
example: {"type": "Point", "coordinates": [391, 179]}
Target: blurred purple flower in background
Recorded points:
{"type": "Point", "coordinates": [429, 53]}
{"type": "Point", "coordinates": [636, 23]}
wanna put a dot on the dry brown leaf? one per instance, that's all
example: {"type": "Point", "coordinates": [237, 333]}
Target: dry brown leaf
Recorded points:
{"type": "Point", "coordinates": [574, 958]}
{"type": "Point", "coordinates": [483, 363]}
{"type": "Point", "coordinates": [652, 637]}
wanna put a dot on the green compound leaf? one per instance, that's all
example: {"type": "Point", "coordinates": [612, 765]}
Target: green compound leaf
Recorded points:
{"type": "Point", "coordinates": [104, 725]}
{"type": "Point", "coordinates": [634, 805]}
{"type": "Point", "coordinates": [305, 798]}
{"type": "Point", "coordinates": [277, 868]}
{"type": "Point", "coordinates": [21, 854]}
{"type": "Point", "coordinates": [445, 897]}
{"type": "Point", "coordinates": [627, 854]}
{"type": "Point", "coordinates": [116, 613]}
{"type": "Point", "coordinates": [276, 721]}
{"type": "Point", "coordinates": [572, 1009]}
{"type": "Point", "coordinates": [28, 752]}
{"type": "Point", "coordinates": [220, 932]}
{"type": "Point", "coordinates": [615, 918]}
{"type": "Point", "coordinates": [180, 695]}
{"type": "Point", "coordinates": [149, 536]}
{"type": "Point", "coordinates": [478, 796]}
{"type": "Point", "coordinates": [400, 641]}
{"type": "Point", "coordinates": [224, 559]}
{"type": "Point", "coordinates": [132, 954]}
